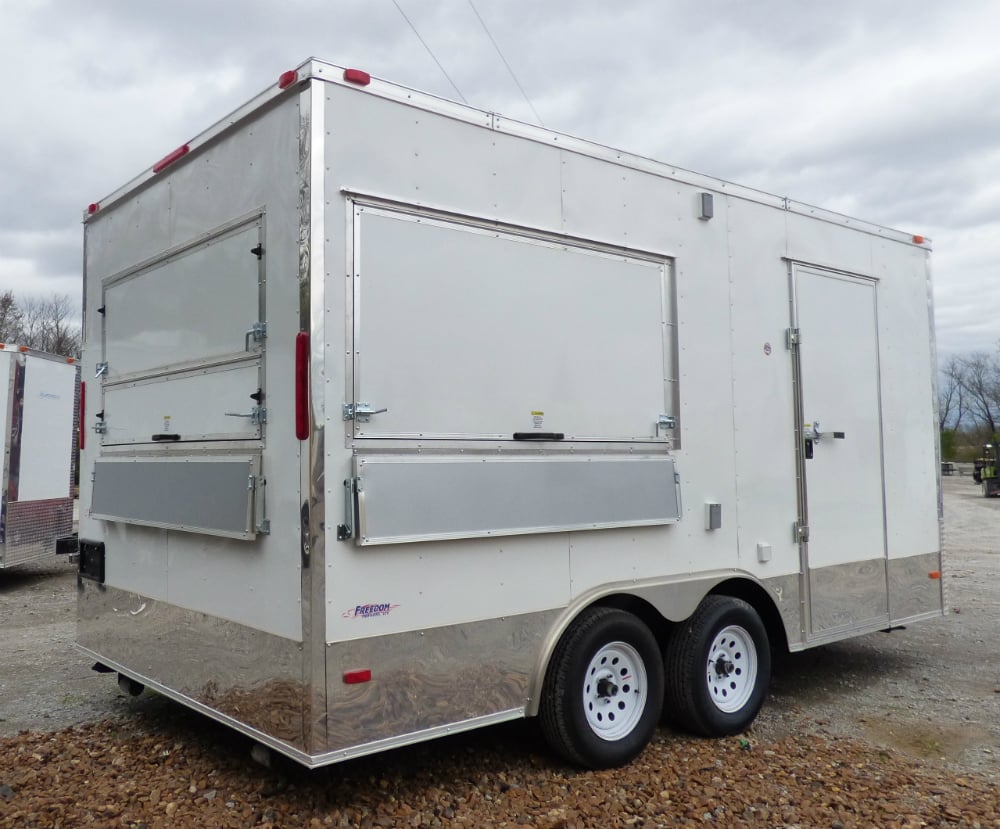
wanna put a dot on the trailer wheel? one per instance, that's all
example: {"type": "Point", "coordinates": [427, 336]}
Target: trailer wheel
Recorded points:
{"type": "Point", "coordinates": [603, 690]}
{"type": "Point", "coordinates": [718, 667]}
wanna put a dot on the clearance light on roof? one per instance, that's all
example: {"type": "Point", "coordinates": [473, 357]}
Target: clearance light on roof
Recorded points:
{"type": "Point", "coordinates": [286, 79]}
{"type": "Point", "coordinates": [93, 208]}
{"type": "Point", "coordinates": [918, 239]}
{"type": "Point", "coordinates": [167, 160]}
{"type": "Point", "coordinates": [357, 76]}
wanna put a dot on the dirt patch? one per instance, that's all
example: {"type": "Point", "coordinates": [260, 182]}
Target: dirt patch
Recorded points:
{"type": "Point", "coordinates": [930, 741]}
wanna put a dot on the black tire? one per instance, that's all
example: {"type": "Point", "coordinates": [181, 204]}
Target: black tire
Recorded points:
{"type": "Point", "coordinates": [597, 710]}
{"type": "Point", "coordinates": [718, 668]}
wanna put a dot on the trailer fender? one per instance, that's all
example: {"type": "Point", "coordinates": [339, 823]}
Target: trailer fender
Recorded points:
{"type": "Point", "coordinates": [659, 603]}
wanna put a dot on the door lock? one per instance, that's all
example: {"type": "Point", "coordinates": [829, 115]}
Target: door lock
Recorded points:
{"type": "Point", "coordinates": [361, 412]}
{"type": "Point", "coordinates": [257, 415]}
{"type": "Point", "coordinates": [812, 435]}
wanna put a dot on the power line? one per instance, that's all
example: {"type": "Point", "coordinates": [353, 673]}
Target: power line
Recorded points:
{"type": "Point", "coordinates": [505, 63]}
{"type": "Point", "coordinates": [429, 52]}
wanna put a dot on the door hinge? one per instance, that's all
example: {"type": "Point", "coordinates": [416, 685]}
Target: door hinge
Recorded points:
{"type": "Point", "coordinates": [102, 368]}
{"type": "Point", "coordinates": [665, 421]}
{"type": "Point", "coordinates": [255, 482]}
{"type": "Point", "coordinates": [346, 530]}
{"type": "Point", "coordinates": [793, 337]}
{"type": "Point", "coordinates": [258, 251]}
{"type": "Point", "coordinates": [800, 532]}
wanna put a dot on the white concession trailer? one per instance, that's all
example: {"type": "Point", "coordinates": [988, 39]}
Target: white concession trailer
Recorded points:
{"type": "Point", "coordinates": [405, 418]}
{"type": "Point", "coordinates": [37, 415]}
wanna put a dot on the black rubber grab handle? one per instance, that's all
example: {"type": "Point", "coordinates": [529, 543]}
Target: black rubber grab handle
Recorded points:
{"type": "Point", "coordinates": [538, 435]}
{"type": "Point", "coordinates": [166, 437]}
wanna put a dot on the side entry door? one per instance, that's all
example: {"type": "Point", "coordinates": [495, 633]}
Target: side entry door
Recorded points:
{"type": "Point", "coordinates": [842, 505]}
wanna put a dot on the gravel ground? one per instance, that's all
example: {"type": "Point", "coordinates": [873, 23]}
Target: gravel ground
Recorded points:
{"type": "Point", "coordinates": [893, 730]}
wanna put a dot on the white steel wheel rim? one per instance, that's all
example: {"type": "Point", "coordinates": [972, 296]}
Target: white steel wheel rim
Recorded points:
{"type": "Point", "coordinates": [615, 691]}
{"type": "Point", "coordinates": [732, 669]}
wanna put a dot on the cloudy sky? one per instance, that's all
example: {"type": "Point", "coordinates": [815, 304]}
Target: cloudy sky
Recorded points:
{"type": "Point", "coordinates": [882, 110]}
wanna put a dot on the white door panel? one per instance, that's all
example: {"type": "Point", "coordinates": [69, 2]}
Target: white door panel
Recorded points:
{"type": "Point", "coordinates": [192, 405]}
{"type": "Point", "coordinates": [463, 332]}
{"type": "Point", "coordinates": [842, 447]}
{"type": "Point", "coordinates": [47, 430]}
{"type": "Point", "coordinates": [152, 320]}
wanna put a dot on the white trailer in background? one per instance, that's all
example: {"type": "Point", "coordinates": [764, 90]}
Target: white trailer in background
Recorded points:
{"type": "Point", "coordinates": [406, 419]}
{"type": "Point", "coordinates": [37, 410]}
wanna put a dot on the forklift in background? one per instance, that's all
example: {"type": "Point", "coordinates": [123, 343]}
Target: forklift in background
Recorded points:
{"type": "Point", "coordinates": [985, 471]}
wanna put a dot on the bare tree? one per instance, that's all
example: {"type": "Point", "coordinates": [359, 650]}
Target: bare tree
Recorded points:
{"type": "Point", "coordinates": [981, 384]}
{"type": "Point", "coordinates": [46, 324]}
{"type": "Point", "coordinates": [10, 318]}
{"type": "Point", "coordinates": [952, 406]}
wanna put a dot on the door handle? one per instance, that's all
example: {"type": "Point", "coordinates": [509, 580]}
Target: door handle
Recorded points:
{"type": "Point", "coordinates": [257, 333]}
{"type": "Point", "coordinates": [812, 435]}
{"type": "Point", "coordinates": [361, 412]}
{"type": "Point", "coordinates": [810, 431]}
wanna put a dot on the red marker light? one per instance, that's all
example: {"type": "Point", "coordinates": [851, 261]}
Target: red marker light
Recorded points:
{"type": "Point", "coordinates": [286, 79]}
{"type": "Point", "coordinates": [302, 385]}
{"type": "Point", "coordinates": [357, 76]}
{"type": "Point", "coordinates": [918, 239]}
{"type": "Point", "coordinates": [934, 574]}
{"type": "Point", "coordinates": [83, 413]}
{"type": "Point", "coordinates": [357, 677]}
{"type": "Point", "coordinates": [167, 160]}
{"type": "Point", "coordinates": [93, 208]}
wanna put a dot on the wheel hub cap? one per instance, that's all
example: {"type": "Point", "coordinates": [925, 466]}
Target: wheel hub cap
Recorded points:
{"type": "Point", "coordinates": [606, 688]}
{"type": "Point", "coordinates": [614, 691]}
{"type": "Point", "coordinates": [731, 672]}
